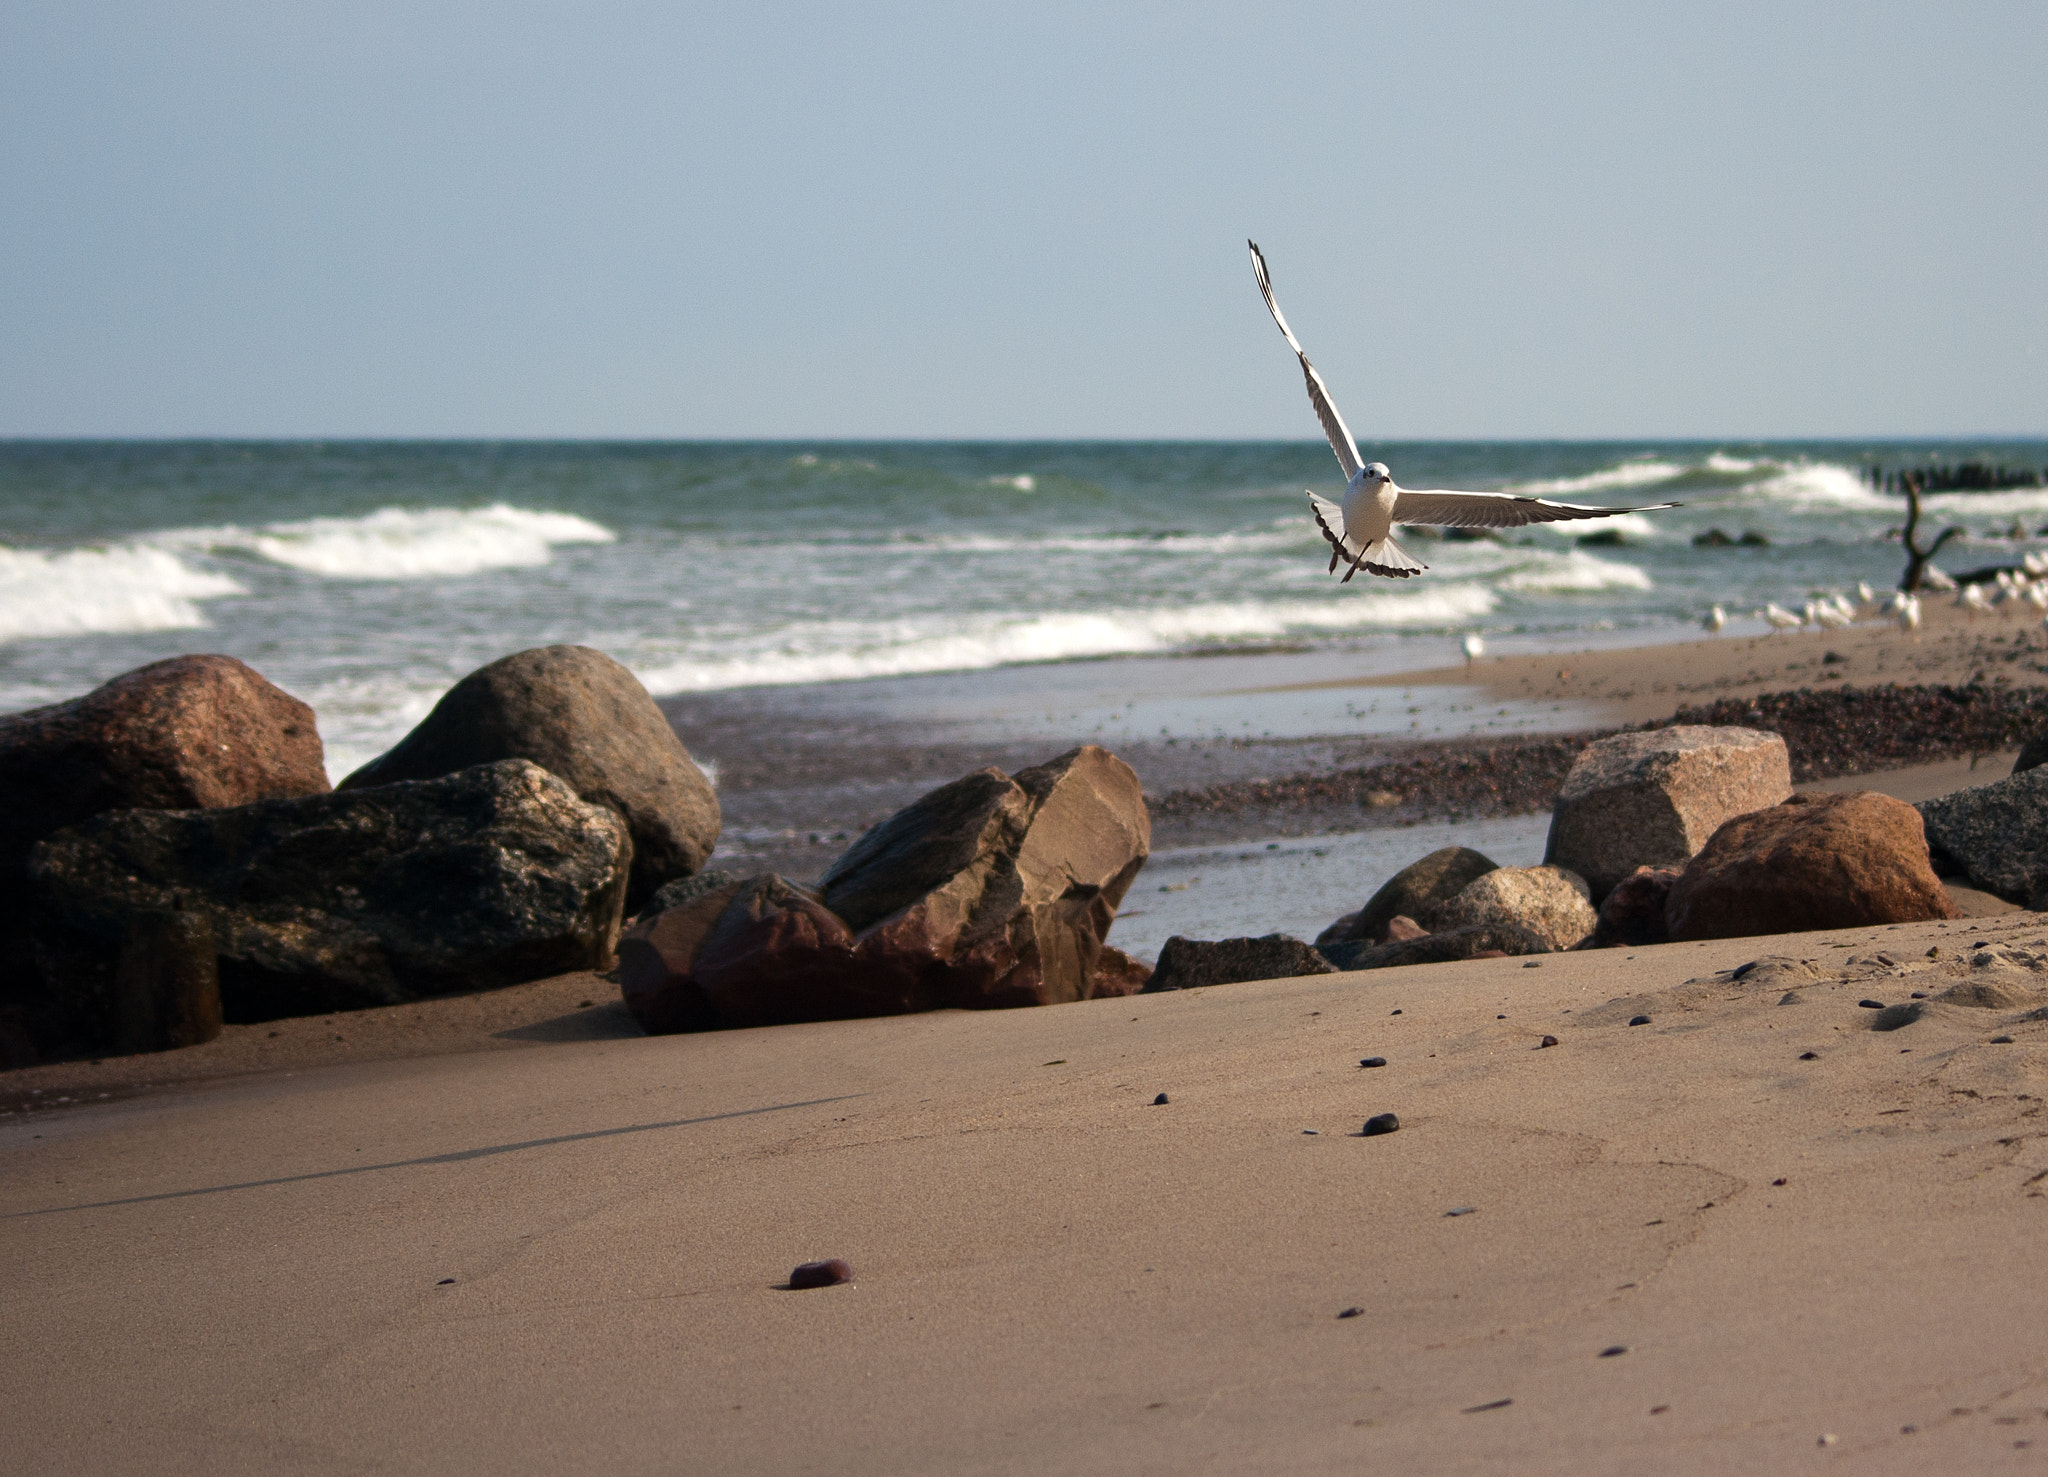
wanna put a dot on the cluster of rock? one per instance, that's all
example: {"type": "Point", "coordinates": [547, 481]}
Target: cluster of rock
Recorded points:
{"type": "Point", "coordinates": [175, 856]}
{"type": "Point", "coordinates": [995, 890]}
{"type": "Point", "coordinates": [1689, 832]}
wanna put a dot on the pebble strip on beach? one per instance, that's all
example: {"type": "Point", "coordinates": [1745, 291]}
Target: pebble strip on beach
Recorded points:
{"type": "Point", "coordinates": [1829, 732]}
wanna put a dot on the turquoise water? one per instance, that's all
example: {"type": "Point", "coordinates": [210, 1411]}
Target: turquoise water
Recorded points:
{"type": "Point", "coordinates": [366, 577]}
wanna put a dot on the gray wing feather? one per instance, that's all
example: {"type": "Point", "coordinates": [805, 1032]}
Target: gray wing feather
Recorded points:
{"type": "Point", "coordinates": [1341, 440]}
{"type": "Point", "coordinates": [1496, 509]}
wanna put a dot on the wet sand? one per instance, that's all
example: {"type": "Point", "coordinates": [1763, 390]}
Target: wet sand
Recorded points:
{"type": "Point", "coordinates": [1680, 1246]}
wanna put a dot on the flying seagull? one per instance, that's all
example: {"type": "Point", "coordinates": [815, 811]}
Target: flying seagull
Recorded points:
{"type": "Point", "coordinates": [1360, 530]}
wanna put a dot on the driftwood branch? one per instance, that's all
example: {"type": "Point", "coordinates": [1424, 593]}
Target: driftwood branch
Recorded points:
{"type": "Point", "coordinates": [1917, 558]}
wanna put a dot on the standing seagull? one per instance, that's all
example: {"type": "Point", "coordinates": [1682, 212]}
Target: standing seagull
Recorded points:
{"type": "Point", "coordinates": [1360, 531]}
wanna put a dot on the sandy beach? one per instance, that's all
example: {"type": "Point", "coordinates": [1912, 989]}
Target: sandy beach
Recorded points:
{"type": "Point", "coordinates": [506, 1230]}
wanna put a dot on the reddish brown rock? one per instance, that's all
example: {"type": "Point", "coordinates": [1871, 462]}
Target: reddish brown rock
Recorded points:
{"type": "Point", "coordinates": [1633, 914]}
{"type": "Point", "coordinates": [1816, 861]}
{"type": "Point", "coordinates": [1401, 929]}
{"type": "Point", "coordinates": [186, 733]}
{"type": "Point", "coordinates": [987, 892]}
{"type": "Point", "coordinates": [658, 952]}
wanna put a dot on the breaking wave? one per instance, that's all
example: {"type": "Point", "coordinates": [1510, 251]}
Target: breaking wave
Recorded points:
{"type": "Point", "coordinates": [405, 544]}
{"type": "Point", "coordinates": [79, 592]}
{"type": "Point", "coordinates": [831, 651]}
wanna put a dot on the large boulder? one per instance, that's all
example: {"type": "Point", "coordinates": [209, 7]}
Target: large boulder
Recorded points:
{"type": "Point", "coordinates": [1410, 892]}
{"type": "Point", "coordinates": [491, 876]}
{"type": "Point", "coordinates": [579, 715]}
{"type": "Point", "coordinates": [1632, 916]}
{"type": "Point", "coordinates": [990, 891]}
{"type": "Point", "coordinates": [179, 734]}
{"type": "Point", "coordinates": [1470, 941]}
{"type": "Point", "coordinates": [1653, 799]}
{"type": "Point", "coordinates": [1995, 835]}
{"type": "Point", "coordinates": [1186, 964]}
{"type": "Point", "coordinates": [1548, 901]}
{"type": "Point", "coordinates": [1816, 861]}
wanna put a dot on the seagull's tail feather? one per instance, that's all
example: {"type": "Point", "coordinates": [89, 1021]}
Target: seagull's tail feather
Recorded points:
{"type": "Point", "coordinates": [1385, 557]}
{"type": "Point", "coordinates": [1389, 558]}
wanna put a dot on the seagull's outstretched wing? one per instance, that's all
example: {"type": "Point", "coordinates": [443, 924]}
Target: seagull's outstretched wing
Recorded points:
{"type": "Point", "coordinates": [1341, 441]}
{"type": "Point", "coordinates": [1496, 509]}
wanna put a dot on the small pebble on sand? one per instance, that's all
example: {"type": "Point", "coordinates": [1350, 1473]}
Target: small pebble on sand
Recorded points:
{"type": "Point", "coordinates": [821, 1274]}
{"type": "Point", "coordinates": [1871, 1004]}
{"type": "Point", "coordinates": [1160, 1101]}
{"type": "Point", "coordinates": [1809, 1056]}
{"type": "Point", "coordinates": [1460, 1210]}
{"type": "Point", "coordinates": [2001, 1040]}
{"type": "Point", "coordinates": [1613, 1349]}
{"type": "Point", "coordinates": [1546, 1041]}
{"type": "Point", "coordinates": [1351, 1313]}
{"type": "Point", "coordinates": [1380, 1123]}
{"type": "Point", "coordinates": [1639, 1020]}
{"type": "Point", "coordinates": [1372, 1061]}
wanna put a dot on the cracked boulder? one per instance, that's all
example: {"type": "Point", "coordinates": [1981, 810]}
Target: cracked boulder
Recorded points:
{"type": "Point", "coordinates": [994, 890]}
{"type": "Point", "coordinates": [1995, 835]}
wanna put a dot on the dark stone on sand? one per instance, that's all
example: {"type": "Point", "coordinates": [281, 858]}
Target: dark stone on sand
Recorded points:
{"type": "Point", "coordinates": [180, 734]}
{"type": "Point", "coordinates": [1613, 1350]}
{"type": "Point", "coordinates": [166, 983]}
{"type": "Point", "coordinates": [1410, 892]}
{"type": "Point", "coordinates": [1546, 1041]}
{"type": "Point", "coordinates": [587, 720]}
{"type": "Point", "coordinates": [1632, 915]}
{"type": "Point", "coordinates": [1372, 1061]}
{"type": "Point", "coordinates": [1186, 964]}
{"type": "Point", "coordinates": [493, 876]}
{"type": "Point", "coordinates": [1380, 1123]}
{"type": "Point", "coordinates": [1891, 1017]}
{"type": "Point", "coordinates": [1816, 861]}
{"type": "Point", "coordinates": [1351, 1313]}
{"type": "Point", "coordinates": [1809, 1056]}
{"type": "Point", "coordinates": [1160, 1101]}
{"type": "Point", "coordinates": [1639, 1020]}
{"type": "Point", "coordinates": [1870, 1004]}
{"type": "Point", "coordinates": [2001, 1040]}
{"type": "Point", "coordinates": [1994, 835]}
{"type": "Point", "coordinates": [820, 1274]}
{"type": "Point", "coordinates": [1474, 942]}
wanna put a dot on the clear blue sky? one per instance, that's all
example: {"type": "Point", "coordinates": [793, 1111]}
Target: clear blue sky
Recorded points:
{"type": "Point", "coordinates": [628, 219]}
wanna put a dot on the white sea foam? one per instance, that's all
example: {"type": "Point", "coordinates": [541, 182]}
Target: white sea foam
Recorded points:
{"type": "Point", "coordinates": [2004, 504]}
{"type": "Point", "coordinates": [1720, 461]}
{"type": "Point", "coordinates": [79, 592]}
{"type": "Point", "coordinates": [406, 543]}
{"type": "Point", "coordinates": [1822, 486]}
{"type": "Point", "coordinates": [833, 651]}
{"type": "Point", "coordinates": [1023, 482]}
{"type": "Point", "coordinates": [1628, 474]}
{"type": "Point", "coordinates": [1576, 573]}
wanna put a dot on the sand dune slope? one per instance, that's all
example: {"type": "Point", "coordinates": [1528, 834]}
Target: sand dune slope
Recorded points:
{"type": "Point", "coordinates": [1056, 1275]}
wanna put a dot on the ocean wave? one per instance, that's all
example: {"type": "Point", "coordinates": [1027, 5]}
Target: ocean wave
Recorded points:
{"type": "Point", "coordinates": [405, 543]}
{"type": "Point", "coordinates": [81, 592]}
{"type": "Point", "coordinates": [1576, 573]}
{"type": "Point", "coordinates": [836, 651]}
{"type": "Point", "coordinates": [1628, 474]}
{"type": "Point", "coordinates": [1733, 466]}
{"type": "Point", "coordinates": [1022, 481]}
{"type": "Point", "coordinates": [2002, 504]}
{"type": "Point", "coordinates": [1823, 486]}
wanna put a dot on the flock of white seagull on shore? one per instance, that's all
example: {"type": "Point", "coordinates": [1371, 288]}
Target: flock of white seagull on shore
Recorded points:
{"type": "Point", "coordinates": [2009, 588]}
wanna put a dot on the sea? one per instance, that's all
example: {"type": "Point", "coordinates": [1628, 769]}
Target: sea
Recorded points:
{"type": "Point", "coordinates": [368, 576]}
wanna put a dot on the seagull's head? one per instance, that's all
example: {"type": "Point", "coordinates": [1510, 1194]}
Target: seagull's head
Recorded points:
{"type": "Point", "coordinates": [1374, 473]}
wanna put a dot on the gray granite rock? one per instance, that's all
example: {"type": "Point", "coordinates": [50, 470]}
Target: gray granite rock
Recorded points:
{"type": "Point", "coordinates": [584, 718]}
{"type": "Point", "coordinates": [1187, 963]}
{"type": "Point", "coordinates": [1995, 835]}
{"type": "Point", "coordinates": [1653, 799]}
{"type": "Point", "coordinates": [1550, 902]}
